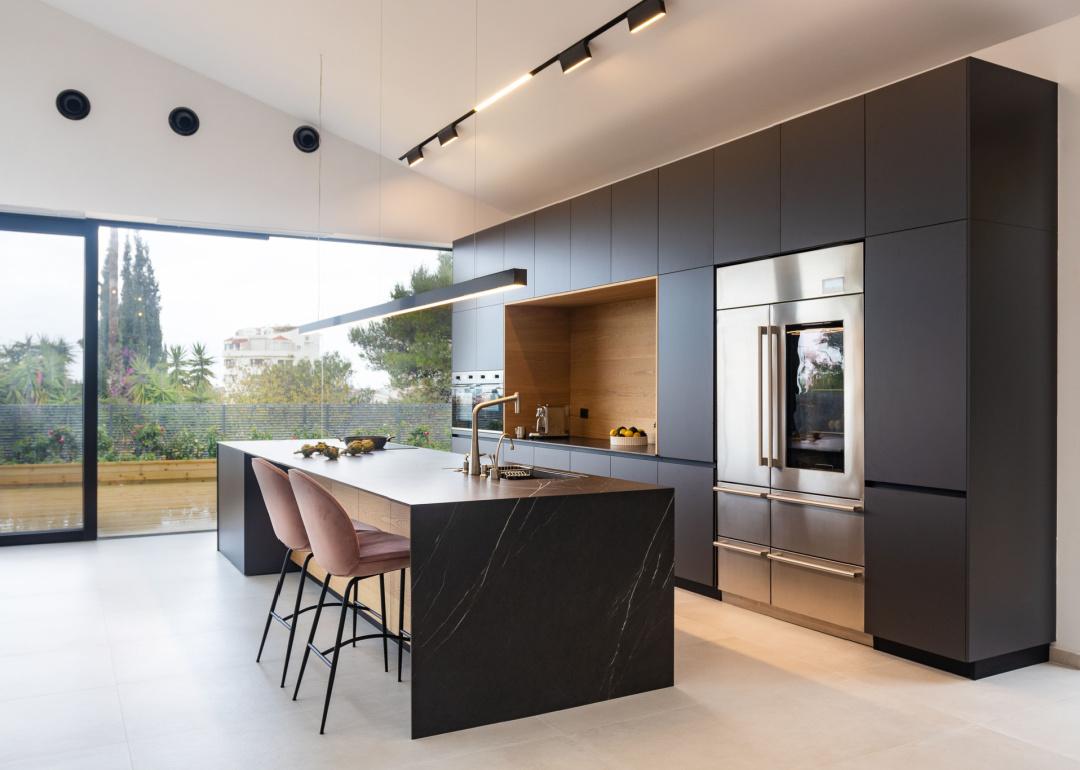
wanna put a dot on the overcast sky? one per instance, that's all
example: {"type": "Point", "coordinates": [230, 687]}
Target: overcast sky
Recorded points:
{"type": "Point", "coordinates": [211, 286]}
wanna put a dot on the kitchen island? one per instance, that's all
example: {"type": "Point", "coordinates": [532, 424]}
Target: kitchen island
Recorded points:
{"type": "Point", "coordinates": [525, 596]}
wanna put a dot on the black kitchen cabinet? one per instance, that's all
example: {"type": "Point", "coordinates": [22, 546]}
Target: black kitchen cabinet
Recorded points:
{"type": "Point", "coordinates": [693, 519]}
{"type": "Point", "coordinates": [634, 225]}
{"type": "Point", "coordinates": [490, 247]}
{"type": "Point", "coordinates": [590, 239]}
{"type": "Point", "coordinates": [916, 357]}
{"type": "Point", "coordinates": [685, 352]}
{"type": "Point", "coordinates": [916, 151]}
{"type": "Point", "coordinates": [641, 469]}
{"type": "Point", "coordinates": [490, 335]}
{"type": "Point", "coordinates": [822, 177]}
{"type": "Point", "coordinates": [553, 249]}
{"type": "Point", "coordinates": [463, 340]}
{"type": "Point", "coordinates": [465, 266]}
{"type": "Point", "coordinates": [686, 213]}
{"type": "Point", "coordinates": [520, 252]}
{"type": "Point", "coordinates": [747, 190]}
{"type": "Point", "coordinates": [915, 570]}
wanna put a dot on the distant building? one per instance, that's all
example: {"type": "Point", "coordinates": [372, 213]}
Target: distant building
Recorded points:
{"type": "Point", "coordinates": [259, 347]}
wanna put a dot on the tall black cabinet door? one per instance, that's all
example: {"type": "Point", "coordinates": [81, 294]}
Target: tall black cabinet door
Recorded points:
{"type": "Point", "coordinates": [634, 223]}
{"type": "Point", "coordinates": [747, 221]}
{"type": "Point", "coordinates": [553, 249]}
{"type": "Point", "coordinates": [520, 252]}
{"type": "Point", "coordinates": [590, 239]}
{"type": "Point", "coordinates": [916, 571]}
{"type": "Point", "coordinates": [685, 353]}
{"type": "Point", "coordinates": [686, 213]}
{"type": "Point", "coordinates": [490, 245]}
{"type": "Point", "coordinates": [465, 266]}
{"type": "Point", "coordinates": [693, 519]}
{"type": "Point", "coordinates": [916, 151]}
{"type": "Point", "coordinates": [822, 177]}
{"type": "Point", "coordinates": [916, 357]}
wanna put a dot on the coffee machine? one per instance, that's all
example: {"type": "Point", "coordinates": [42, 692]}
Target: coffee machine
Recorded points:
{"type": "Point", "coordinates": [551, 422]}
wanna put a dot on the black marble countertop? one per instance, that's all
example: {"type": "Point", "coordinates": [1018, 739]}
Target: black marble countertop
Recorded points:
{"type": "Point", "coordinates": [415, 476]}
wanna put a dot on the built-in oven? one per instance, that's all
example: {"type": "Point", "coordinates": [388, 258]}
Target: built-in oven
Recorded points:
{"type": "Point", "coordinates": [789, 353]}
{"type": "Point", "coordinates": [467, 389]}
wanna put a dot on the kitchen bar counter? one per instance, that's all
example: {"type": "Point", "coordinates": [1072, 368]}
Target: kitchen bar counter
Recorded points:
{"type": "Point", "coordinates": [524, 597]}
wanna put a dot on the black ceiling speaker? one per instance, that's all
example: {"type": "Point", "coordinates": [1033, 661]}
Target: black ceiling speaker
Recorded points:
{"type": "Point", "coordinates": [73, 104]}
{"type": "Point", "coordinates": [184, 121]}
{"type": "Point", "coordinates": [306, 138]}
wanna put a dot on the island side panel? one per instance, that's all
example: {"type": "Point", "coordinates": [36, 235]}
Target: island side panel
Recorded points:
{"type": "Point", "coordinates": [522, 607]}
{"type": "Point", "coordinates": [245, 536]}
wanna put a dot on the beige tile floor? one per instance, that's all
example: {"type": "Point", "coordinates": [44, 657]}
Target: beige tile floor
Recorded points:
{"type": "Point", "coordinates": [139, 654]}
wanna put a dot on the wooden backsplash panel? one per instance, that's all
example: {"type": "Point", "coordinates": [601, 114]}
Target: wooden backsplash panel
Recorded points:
{"type": "Point", "coordinates": [613, 367]}
{"type": "Point", "coordinates": [537, 360]}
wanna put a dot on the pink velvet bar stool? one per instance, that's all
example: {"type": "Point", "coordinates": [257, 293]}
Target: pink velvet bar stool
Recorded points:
{"type": "Point", "coordinates": [352, 555]}
{"type": "Point", "coordinates": [289, 529]}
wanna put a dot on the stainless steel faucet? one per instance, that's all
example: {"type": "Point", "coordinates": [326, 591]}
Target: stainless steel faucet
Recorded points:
{"type": "Point", "coordinates": [474, 449]}
{"type": "Point", "coordinates": [493, 475]}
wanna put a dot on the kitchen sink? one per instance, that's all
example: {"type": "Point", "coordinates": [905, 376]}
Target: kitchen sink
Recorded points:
{"type": "Point", "coordinates": [525, 472]}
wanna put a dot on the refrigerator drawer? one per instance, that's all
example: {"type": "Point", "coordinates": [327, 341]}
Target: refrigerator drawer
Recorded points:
{"type": "Point", "coordinates": [742, 569]}
{"type": "Point", "coordinates": [819, 588]}
{"type": "Point", "coordinates": [832, 529]}
{"type": "Point", "coordinates": [742, 512]}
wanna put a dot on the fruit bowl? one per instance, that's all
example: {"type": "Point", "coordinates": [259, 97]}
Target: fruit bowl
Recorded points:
{"type": "Point", "coordinates": [629, 440]}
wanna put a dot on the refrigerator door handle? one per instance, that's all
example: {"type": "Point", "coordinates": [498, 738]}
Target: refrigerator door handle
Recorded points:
{"type": "Point", "coordinates": [775, 385]}
{"type": "Point", "coordinates": [763, 333]}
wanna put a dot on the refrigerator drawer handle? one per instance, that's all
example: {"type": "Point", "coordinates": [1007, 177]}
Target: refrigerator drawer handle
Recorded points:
{"type": "Point", "coordinates": [743, 492]}
{"type": "Point", "coordinates": [852, 573]}
{"type": "Point", "coordinates": [853, 507]}
{"type": "Point", "coordinates": [742, 548]}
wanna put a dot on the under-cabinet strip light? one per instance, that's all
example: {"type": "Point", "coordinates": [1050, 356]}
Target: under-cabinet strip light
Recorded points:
{"type": "Point", "coordinates": [504, 280]}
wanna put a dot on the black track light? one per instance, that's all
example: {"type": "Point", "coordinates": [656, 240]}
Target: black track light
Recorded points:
{"type": "Point", "coordinates": [414, 156]}
{"type": "Point", "coordinates": [448, 135]}
{"type": "Point", "coordinates": [574, 56]}
{"type": "Point", "coordinates": [72, 104]}
{"type": "Point", "coordinates": [645, 13]}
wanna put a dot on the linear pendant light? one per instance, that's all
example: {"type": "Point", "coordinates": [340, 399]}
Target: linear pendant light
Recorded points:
{"type": "Point", "coordinates": [504, 280]}
{"type": "Point", "coordinates": [638, 17]}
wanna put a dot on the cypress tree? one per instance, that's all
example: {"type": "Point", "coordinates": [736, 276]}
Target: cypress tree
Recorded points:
{"type": "Point", "coordinates": [140, 305]}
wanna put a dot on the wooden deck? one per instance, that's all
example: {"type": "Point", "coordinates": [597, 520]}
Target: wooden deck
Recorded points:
{"type": "Point", "coordinates": [137, 508]}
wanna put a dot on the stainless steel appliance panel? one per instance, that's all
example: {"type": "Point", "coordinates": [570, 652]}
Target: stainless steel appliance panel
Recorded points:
{"type": "Point", "coordinates": [742, 389]}
{"type": "Point", "coordinates": [467, 389]}
{"type": "Point", "coordinates": [817, 358]}
{"type": "Point", "coordinates": [833, 530]}
{"type": "Point", "coordinates": [742, 569]}
{"type": "Point", "coordinates": [819, 588]}
{"type": "Point", "coordinates": [742, 513]}
{"type": "Point", "coordinates": [808, 275]}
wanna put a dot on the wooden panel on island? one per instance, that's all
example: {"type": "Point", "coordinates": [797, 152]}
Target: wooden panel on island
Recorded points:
{"type": "Point", "coordinates": [593, 349]}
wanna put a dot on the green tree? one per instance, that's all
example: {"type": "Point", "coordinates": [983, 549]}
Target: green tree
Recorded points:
{"type": "Point", "coordinates": [414, 348]}
{"type": "Point", "coordinates": [200, 369]}
{"type": "Point", "coordinates": [36, 372]}
{"type": "Point", "coordinates": [151, 384]}
{"type": "Point", "coordinates": [140, 305]}
{"type": "Point", "coordinates": [301, 382]}
{"type": "Point", "coordinates": [177, 365]}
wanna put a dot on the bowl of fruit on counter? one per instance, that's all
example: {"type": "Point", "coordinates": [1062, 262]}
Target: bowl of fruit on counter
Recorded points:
{"type": "Point", "coordinates": [623, 436]}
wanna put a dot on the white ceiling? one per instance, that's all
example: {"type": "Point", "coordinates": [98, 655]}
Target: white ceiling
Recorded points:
{"type": "Point", "coordinates": [712, 70]}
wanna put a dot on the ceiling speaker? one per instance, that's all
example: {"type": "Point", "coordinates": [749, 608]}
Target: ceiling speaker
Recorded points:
{"type": "Point", "coordinates": [72, 104]}
{"type": "Point", "coordinates": [184, 121]}
{"type": "Point", "coordinates": [306, 138]}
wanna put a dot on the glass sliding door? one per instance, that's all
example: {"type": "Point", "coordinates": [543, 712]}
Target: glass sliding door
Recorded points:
{"type": "Point", "coordinates": [42, 369]}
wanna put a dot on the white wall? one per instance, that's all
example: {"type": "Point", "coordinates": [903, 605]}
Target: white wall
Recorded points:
{"type": "Point", "coordinates": [240, 170]}
{"type": "Point", "coordinates": [1054, 53]}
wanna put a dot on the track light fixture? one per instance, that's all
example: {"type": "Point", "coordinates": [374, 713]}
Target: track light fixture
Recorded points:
{"type": "Point", "coordinates": [645, 13]}
{"type": "Point", "coordinates": [448, 135]}
{"type": "Point", "coordinates": [637, 18]}
{"type": "Point", "coordinates": [574, 56]}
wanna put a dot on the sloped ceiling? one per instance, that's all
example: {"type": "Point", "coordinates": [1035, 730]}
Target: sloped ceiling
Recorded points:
{"type": "Point", "coordinates": [393, 72]}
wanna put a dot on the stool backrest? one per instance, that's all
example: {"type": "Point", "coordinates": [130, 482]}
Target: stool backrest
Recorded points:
{"type": "Point", "coordinates": [280, 504]}
{"type": "Point", "coordinates": [329, 528]}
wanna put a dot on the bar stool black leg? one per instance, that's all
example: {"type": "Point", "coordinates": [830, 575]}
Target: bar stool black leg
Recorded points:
{"type": "Point", "coordinates": [356, 600]}
{"type": "Point", "coordinates": [385, 644]}
{"type": "Point", "coordinates": [337, 650]}
{"type": "Point", "coordinates": [401, 625]}
{"type": "Point", "coordinates": [295, 617]}
{"type": "Point", "coordinates": [311, 636]}
{"type": "Point", "coordinates": [273, 602]}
